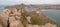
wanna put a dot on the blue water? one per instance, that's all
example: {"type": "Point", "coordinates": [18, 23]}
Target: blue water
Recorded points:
{"type": "Point", "coordinates": [2, 7]}
{"type": "Point", "coordinates": [53, 15]}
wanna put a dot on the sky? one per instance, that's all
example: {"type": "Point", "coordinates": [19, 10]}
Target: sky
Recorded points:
{"type": "Point", "coordinates": [13, 2]}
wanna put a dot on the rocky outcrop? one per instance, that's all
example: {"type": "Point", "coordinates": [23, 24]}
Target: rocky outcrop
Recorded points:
{"type": "Point", "coordinates": [12, 17]}
{"type": "Point", "coordinates": [4, 19]}
{"type": "Point", "coordinates": [46, 25]}
{"type": "Point", "coordinates": [28, 19]}
{"type": "Point", "coordinates": [16, 23]}
{"type": "Point", "coordinates": [30, 25]}
{"type": "Point", "coordinates": [50, 25]}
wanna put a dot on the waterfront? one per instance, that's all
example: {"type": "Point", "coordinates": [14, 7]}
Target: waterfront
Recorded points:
{"type": "Point", "coordinates": [53, 15]}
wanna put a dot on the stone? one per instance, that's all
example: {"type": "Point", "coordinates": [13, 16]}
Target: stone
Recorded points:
{"type": "Point", "coordinates": [7, 11]}
{"type": "Point", "coordinates": [28, 19]}
{"type": "Point", "coordinates": [12, 19]}
{"type": "Point", "coordinates": [18, 18]}
{"type": "Point", "coordinates": [4, 19]}
{"type": "Point", "coordinates": [50, 25]}
{"type": "Point", "coordinates": [54, 26]}
{"type": "Point", "coordinates": [1, 25]}
{"type": "Point", "coordinates": [36, 26]}
{"type": "Point", "coordinates": [29, 25]}
{"type": "Point", "coordinates": [16, 23]}
{"type": "Point", "coordinates": [42, 25]}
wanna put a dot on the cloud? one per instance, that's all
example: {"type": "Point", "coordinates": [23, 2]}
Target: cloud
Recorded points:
{"type": "Point", "coordinates": [12, 2]}
{"type": "Point", "coordinates": [42, 1]}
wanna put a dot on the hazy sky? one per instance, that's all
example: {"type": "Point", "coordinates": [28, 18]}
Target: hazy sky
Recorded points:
{"type": "Point", "coordinates": [12, 2]}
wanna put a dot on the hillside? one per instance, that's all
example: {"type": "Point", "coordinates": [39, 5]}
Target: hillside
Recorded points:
{"type": "Point", "coordinates": [16, 16]}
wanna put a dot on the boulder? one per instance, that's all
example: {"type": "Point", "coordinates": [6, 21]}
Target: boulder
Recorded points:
{"type": "Point", "coordinates": [16, 23]}
{"type": "Point", "coordinates": [4, 19]}
{"type": "Point", "coordinates": [28, 19]}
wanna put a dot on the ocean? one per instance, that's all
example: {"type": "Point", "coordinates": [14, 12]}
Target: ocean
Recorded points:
{"type": "Point", "coordinates": [53, 15]}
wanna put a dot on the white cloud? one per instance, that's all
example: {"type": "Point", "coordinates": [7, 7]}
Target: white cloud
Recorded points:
{"type": "Point", "coordinates": [42, 1]}
{"type": "Point", "coordinates": [11, 2]}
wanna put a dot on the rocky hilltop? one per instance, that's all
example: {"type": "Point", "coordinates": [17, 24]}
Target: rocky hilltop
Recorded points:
{"type": "Point", "coordinates": [16, 16]}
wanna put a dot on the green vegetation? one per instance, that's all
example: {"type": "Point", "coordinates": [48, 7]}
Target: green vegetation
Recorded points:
{"type": "Point", "coordinates": [36, 20]}
{"type": "Point", "coordinates": [24, 21]}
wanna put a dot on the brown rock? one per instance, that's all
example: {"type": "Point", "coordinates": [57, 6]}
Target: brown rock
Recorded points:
{"type": "Point", "coordinates": [4, 19]}
{"type": "Point", "coordinates": [16, 23]}
{"type": "Point", "coordinates": [0, 25]}
{"type": "Point", "coordinates": [12, 19]}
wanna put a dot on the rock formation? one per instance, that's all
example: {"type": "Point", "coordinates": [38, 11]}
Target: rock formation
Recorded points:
{"type": "Point", "coordinates": [12, 17]}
